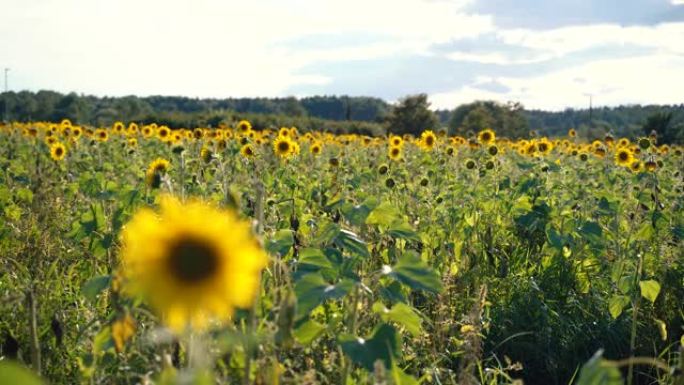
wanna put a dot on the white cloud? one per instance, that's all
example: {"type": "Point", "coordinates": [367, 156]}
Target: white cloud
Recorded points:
{"type": "Point", "coordinates": [206, 47]}
{"type": "Point", "coordinates": [610, 81]}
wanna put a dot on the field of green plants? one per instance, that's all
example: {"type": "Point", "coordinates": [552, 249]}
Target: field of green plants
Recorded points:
{"type": "Point", "coordinates": [144, 255]}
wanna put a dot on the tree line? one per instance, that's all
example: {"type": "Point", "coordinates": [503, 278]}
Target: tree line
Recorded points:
{"type": "Point", "coordinates": [346, 114]}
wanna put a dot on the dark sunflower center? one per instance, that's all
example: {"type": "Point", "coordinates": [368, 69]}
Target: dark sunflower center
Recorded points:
{"type": "Point", "coordinates": [163, 133]}
{"type": "Point", "coordinates": [624, 156]}
{"type": "Point", "coordinates": [486, 137]}
{"type": "Point", "coordinates": [429, 140]}
{"type": "Point", "coordinates": [59, 151]}
{"type": "Point", "coordinates": [192, 260]}
{"type": "Point", "coordinates": [395, 152]}
{"type": "Point", "coordinates": [283, 146]}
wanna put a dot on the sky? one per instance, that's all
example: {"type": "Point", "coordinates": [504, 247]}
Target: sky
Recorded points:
{"type": "Point", "coordinates": [545, 54]}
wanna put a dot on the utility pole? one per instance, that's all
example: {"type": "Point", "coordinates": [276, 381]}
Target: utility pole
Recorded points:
{"type": "Point", "coordinates": [591, 107]}
{"type": "Point", "coordinates": [5, 117]}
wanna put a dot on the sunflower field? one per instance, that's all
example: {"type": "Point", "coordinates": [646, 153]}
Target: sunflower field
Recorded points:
{"type": "Point", "coordinates": [140, 254]}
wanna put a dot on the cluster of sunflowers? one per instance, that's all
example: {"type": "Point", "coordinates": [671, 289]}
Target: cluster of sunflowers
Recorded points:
{"type": "Point", "coordinates": [286, 143]}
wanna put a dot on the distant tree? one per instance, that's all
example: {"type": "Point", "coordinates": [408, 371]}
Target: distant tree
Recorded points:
{"type": "Point", "coordinates": [662, 123]}
{"type": "Point", "coordinates": [412, 116]}
{"type": "Point", "coordinates": [506, 119]}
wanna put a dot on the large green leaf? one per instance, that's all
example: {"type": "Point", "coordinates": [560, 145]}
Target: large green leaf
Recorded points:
{"type": "Point", "coordinates": [12, 373]}
{"type": "Point", "coordinates": [94, 286]}
{"type": "Point", "coordinates": [413, 272]}
{"type": "Point", "coordinates": [308, 331]}
{"type": "Point", "coordinates": [280, 243]}
{"type": "Point", "coordinates": [649, 289]}
{"type": "Point", "coordinates": [402, 314]}
{"type": "Point", "coordinates": [617, 304]}
{"type": "Point", "coordinates": [385, 214]}
{"type": "Point", "coordinates": [384, 345]}
{"type": "Point", "coordinates": [351, 242]}
{"type": "Point", "coordinates": [599, 372]}
{"type": "Point", "coordinates": [311, 290]}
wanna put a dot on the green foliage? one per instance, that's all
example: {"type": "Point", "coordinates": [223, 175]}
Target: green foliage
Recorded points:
{"type": "Point", "coordinates": [412, 116]}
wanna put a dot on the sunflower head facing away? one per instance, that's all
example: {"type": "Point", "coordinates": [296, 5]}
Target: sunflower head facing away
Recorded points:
{"type": "Point", "coordinates": [155, 172]}
{"type": "Point", "coordinates": [192, 262]}
{"type": "Point", "coordinates": [57, 151]}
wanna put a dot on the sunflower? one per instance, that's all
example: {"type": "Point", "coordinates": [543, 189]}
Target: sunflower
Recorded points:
{"type": "Point", "coordinates": [247, 151]}
{"type": "Point", "coordinates": [147, 131]}
{"type": "Point", "coordinates": [637, 166]}
{"type": "Point", "coordinates": [486, 136]}
{"type": "Point", "coordinates": [624, 157]}
{"type": "Point", "coordinates": [76, 132]}
{"type": "Point", "coordinates": [284, 131]}
{"type": "Point", "coordinates": [57, 151]}
{"type": "Point", "coordinates": [428, 140]}
{"type": "Point", "coordinates": [396, 141]}
{"type": "Point", "coordinates": [650, 165]}
{"type": "Point", "coordinates": [101, 135]}
{"type": "Point", "coordinates": [544, 146]}
{"type": "Point", "coordinates": [206, 154]}
{"type": "Point", "coordinates": [132, 142]}
{"type": "Point", "coordinates": [644, 143]}
{"type": "Point", "coordinates": [156, 171]}
{"type": "Point", "coordinates": [198, 133]}
{"type": "Point", "coordinates": [118, 128]}
{"type": "Point", "coordinates": [283, 146]}
{"type": "Point", "coordinates": [133, 129]}
{"type": "Point", "coordinates": [50, 140]}
{"type": "Point", "coordinates": [192, 262]}
{"type": "Point", "coordinates": [316, 148]}
{"type": "Point", "coordinates": [493, 150]}
{"type": "Point", "coordinates": [244, 127]}
{"type": "Point", "coordinates": [623, 142]}
{"type": "Point", "coordinates": [572, 133]}
{"type": "Point", "coordinates": [470, 164]}
{"type": "Point", "coordinates": [394, 153]}
{"type": "Point", "coordinates": [164, 133]}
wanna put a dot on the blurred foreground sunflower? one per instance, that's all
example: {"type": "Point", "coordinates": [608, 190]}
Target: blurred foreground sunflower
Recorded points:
{"type": "Point", "coordinates": [192, 262]}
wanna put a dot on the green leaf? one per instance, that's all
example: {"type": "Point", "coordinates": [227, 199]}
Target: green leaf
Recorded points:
{"type": "Point", "coordinates": [308, 331]}
{"type": "Point", "coordinates": [351, 242]}
{"type": "Point", "coordinates": [617, 304]}
{"type": "Point", "coordinates": [24, 195]}
{"type": "Point", "coordinates": [314, 257]}
{"type": "Point", "coordinates": [591, 231]}
{"type": "Point", "coordinates": [401, 378]}
{"type": "Point", "coordinates": [14, 373]}
{"type": "Point", "coordinates": [599, 372]}
{"type": "Point", "coordinates": [401, 229]}
{"type": "Point", "coordinates": [385, 214]}
{"type": "Point", "coordinates": [327, 233]}
{"type": "Point", "coordinates": [312, 290]}
{"type": "Point", "coordinates": [280, 243]}
{"type": "Point", "coordinates": [413, 272]}
{"type": "Point", "coordinates": [94, 286]}
{"type": "Point", "coordinates": [357, 215]}
{"type": "Point", "coordinates": [649, 289]}
{"type": "Point", "coordinates": [402, 314]}
{"type": "Point", "coordinates": [384, 345]}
